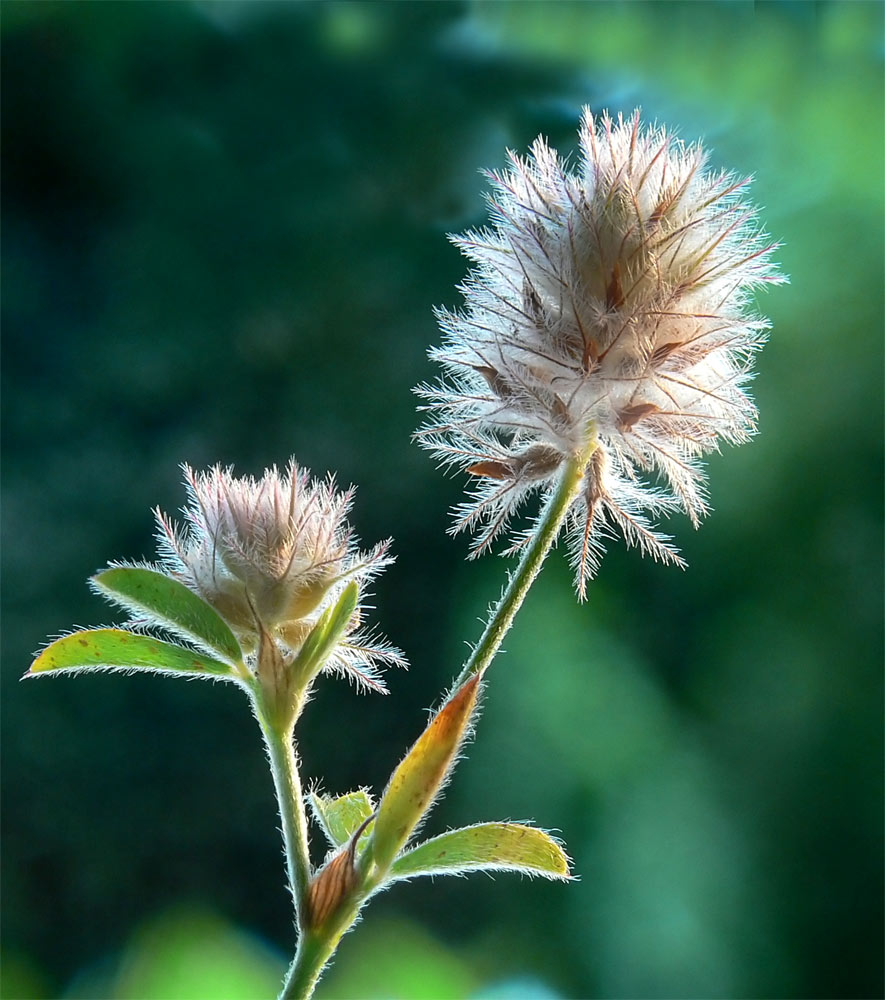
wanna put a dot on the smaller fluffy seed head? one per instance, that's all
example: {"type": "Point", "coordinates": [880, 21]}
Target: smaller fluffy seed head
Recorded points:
{"type": "Point", "coordinates": [614, 301]}
{"type": "Point", "coordinates": [270, 555]}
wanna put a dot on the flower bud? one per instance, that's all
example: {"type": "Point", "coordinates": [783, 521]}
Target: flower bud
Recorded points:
{"type": "Point", "coordinates": [274, 557]}
{"type": "Point", "coordinates": [332, 883]}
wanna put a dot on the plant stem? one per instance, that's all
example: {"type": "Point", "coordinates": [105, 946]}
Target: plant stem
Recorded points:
{"type": "Point", "coordinates": [530, 564]}
{"type": "Point", "coordinates": [310, 959]}
{"type": "Point", "coordinates": [284, 766]}
{"type": "Point", "coordinates": [316, 946]}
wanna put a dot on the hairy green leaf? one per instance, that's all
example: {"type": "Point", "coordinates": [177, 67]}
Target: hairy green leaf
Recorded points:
{"type": "Point", "coordinates": [169, 603]}
{"type": "Point", "coordinates": [340, 816]}
{"type": "Point", "coordinates": [325, 635]}
{"type": "Point", "coordinates": [116, 649]}
{"type": "Point", "coordinates": [485, 847]}
{"type": "Point", "coordinates": [418, 778]}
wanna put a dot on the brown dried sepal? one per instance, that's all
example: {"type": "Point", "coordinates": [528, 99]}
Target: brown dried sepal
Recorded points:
{"type": "Point", "coordinates": [273, 677]}
{"type": "Point", "coordinates": [662, 352]}
{"type": "Point", "coordinates": [590, 356]}
{"type": "Point", "coordinates": [559, 410]}
{"type": "Point", "coordinates": [663, 207]}
{"type": "Point", "coordinates": [495, 381]}
{"type": "Point", "coordinates": [593, 489]}
{"type": "Point", "coordinates": [537, 462]}
{"type": "Point", "coordinates": [332, 883]}
{"type": "Point", "coordinates": [532, 304]}
{"type": "Point", "coordinates": [492, 469]}
{"type": "Point", "coordinates": [631, 415]}
{"type": "Point", "coordinates": [614, 293]}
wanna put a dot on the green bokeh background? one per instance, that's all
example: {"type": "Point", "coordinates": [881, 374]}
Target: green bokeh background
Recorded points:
{"type": "Point", "coordinates": [224, 232]}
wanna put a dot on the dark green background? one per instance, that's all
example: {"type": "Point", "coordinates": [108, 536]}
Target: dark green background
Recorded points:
{"type": "Point", "coordinates": [224, 233]}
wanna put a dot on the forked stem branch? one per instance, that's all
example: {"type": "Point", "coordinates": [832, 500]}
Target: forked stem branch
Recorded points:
{"type": "Point", "coordinates": [317, 945]}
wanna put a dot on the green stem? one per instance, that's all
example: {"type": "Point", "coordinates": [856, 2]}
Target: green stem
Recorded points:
{"type": "Point", "coordinates": [316, 946]}
{"type": "Point", "coordinates": [310, 959]}
{"type": "Point", "coordinates": [533, 557]}
{"type": "Point", "coordinates": [284, 766]}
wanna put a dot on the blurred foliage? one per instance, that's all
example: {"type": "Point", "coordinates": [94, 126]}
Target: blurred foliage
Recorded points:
{"type": "Point", "coordinates": [182, 954]}
{"type": "Point", "coordinates": [224, 232]}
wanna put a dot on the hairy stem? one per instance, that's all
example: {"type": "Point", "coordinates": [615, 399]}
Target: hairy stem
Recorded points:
{"type": "Point", "coordinates": [313, 952]}
{"type": "Point", "coordinates": [287, 783]}
{"type": "Point", "coordinates": [317, 945]}
{"type": "Point", "coordinates": [530, 563]}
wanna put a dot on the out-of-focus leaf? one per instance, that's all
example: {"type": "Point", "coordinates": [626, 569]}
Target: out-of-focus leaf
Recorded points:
{"type": "Point", "coordinates": [170, 604]}
{"type": "Point", "coordinates": [193, 954]}
{"type": "Point", "coordinates": [397, 958]}
{"type": "Point", "coordinates": [485, 847]}
{"type": "Point", "coordinates": [517, 988]}
{"type": "Point", "coordinates": [418, 778]}
{"type": "Point", "coordinates": [116, 649]}
{"type": "Point", "coordinates": [340, 816]}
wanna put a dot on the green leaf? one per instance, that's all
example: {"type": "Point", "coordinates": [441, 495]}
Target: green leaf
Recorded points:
{"type": "Point", "coordinates": [415, 783]}
{"type": "Point", "coordinates": [170, 604]}
{"type": "Point", "coordinates": [116, 649]}
{"type": "Point", "coordinates": [340, 816]}
{"type": "Point", "coordinates": [485, 847]}
{"type": "Point", "coordinates": [326, 634]}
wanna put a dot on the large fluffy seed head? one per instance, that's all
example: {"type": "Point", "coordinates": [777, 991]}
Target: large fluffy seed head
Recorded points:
{"type": "Point", "coordinates": [612, 300]}
{"type": "Point", "coordinates": [270, 555]}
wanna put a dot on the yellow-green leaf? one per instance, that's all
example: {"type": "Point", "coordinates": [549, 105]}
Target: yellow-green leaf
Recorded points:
{"type": "Point", "coordinates": [485, 847]}
{"type": "Point", "coordinates": [418, 778]}
{"type": "Point", "coordinates": [326, 634]}
{"type": "Point", "coordinates": [169, 603]}
{"type": "Point", "coordinates": [340, 816]}
{"type": "Point", "coordinates": [116, 649]}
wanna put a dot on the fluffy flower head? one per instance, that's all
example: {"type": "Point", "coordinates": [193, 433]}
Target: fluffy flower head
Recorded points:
{"type": "Point", "coordinates": [609, 301]}
{"type": "Point", "coordinates": [270, 555]}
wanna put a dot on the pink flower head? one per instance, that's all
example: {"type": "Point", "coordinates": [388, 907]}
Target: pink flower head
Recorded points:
{"type": "Point", "coordinates": [611, 301]}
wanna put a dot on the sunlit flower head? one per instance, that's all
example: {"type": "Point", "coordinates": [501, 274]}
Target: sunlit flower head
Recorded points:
{"type": "Point", "coordinates": [611, 300]}
{"type": "Point", "coordinates": [271, 554]}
